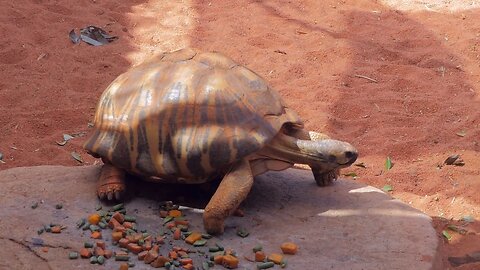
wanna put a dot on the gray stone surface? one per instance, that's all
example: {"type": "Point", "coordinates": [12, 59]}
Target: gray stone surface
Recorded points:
{"type": "Point", "coordinates": [345, 226]}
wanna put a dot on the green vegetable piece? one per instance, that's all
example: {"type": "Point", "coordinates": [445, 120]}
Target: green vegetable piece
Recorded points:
{"type": "Point", "coordinates": [100, 260]}
{"type": "Point", "coordinates": [265, 265]}
{"type": "Point", "coordinates": [81, 222]}
{"type": "Point", "coordinates": [122, 258]}
{"type": "Point", "coordinates": [34, 205]}
{"type": "Point", "coordinates": [98, 207]}
{"type": "Point", "coordinates": [94, 228]}
{"type": "Point", "coordinates": [205, 266]}
{"type": "Point", "coordinates": [59, 206]}
{"type": "Point", "coordinates": [88, 245]}
{"type": "Point", "coordinates": [206, 236]}
{"type": "Point", "coordinates": [167, 219]}
{"type": "Point", "coordinates": [86, 226]}
{"type": "Point", "coordinates": [220, 247]}
{"type": "Point", "coordinates": [351, 174]}
{"type": "Point", "coordinates": [93, 260]}
{"type": "Point", "coordinates": [130, 218]}
{"type": "Point", "coordinates": [117, 207]}
{"type": "Point", "coordinates": [388, 164]}
{"type": "Point", "coordinates": [446, 235]}
{"type": "Point", "coordinates": [131, 264]}
{"type": "Point", "coordinates": [242, 232]}
{"type": "Point", "coordinates": [73, 255]}
{"type": "Point", "coordinates": [40, 231]}
{"type": "Point", "coordinates": [213, 249]}
{"type": "Point", "coordinates": [283, 263]}
{"type": "Point", "coordinates": [200, 243]}
{"type": "Point", "coordinates": [102, 225]}
{"type": "Point", "coordinates": [257, 248]}
{"type": "Point", "coordinates": [387, 188]}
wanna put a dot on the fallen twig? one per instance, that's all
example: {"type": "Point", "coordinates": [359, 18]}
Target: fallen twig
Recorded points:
{"type": "Point", "coordinates": [365, 77]}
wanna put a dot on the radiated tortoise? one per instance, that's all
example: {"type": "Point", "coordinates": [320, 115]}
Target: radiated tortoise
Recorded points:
{"type": "Point", "coordinates": [190, 117]}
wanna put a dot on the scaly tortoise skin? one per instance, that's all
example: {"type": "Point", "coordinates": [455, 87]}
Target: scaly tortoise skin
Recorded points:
{"type": "Point", "coordinates": [190, 117]}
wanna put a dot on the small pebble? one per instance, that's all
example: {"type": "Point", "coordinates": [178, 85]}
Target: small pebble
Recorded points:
{"type": "Point", "coordinates": [58, 206]}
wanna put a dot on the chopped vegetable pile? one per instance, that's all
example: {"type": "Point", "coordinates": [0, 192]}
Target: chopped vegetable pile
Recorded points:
{"type": "Point", "coordinates": [174, 247]}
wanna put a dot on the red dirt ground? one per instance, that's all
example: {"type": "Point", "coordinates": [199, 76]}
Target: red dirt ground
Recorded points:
{"type": "Point", "coordinates": [424, 62]}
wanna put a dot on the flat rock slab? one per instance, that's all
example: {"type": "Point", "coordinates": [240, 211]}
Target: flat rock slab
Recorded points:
{"type": "Point", "coordinates": [344, 226]}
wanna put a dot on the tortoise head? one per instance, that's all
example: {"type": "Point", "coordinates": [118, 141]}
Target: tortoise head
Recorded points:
{"type": "Point", "coordinates": [324, 156]}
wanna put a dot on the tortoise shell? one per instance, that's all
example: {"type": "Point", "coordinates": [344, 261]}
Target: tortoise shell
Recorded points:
{"type": "Point", "coordinates": [186, 116]}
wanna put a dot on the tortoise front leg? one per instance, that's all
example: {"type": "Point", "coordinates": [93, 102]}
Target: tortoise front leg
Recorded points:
{"type": "Point", "coordinates": [233, 189]}
{"type": "Point", "coordinates": [111, 182]}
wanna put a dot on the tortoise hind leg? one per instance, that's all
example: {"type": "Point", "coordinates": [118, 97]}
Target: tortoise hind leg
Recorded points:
{"type": "Point", "coordinates": [111, 182]}
{"type": "Point", "coordinates": [233, 189]}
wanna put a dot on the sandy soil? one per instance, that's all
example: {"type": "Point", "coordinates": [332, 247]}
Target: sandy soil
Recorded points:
{"type": "Point", "coordinates": [396, 79]}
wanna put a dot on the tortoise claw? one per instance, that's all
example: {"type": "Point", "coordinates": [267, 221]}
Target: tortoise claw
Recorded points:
{"type": "Point", "coordinates": [101, 196]}
{"type": "Point", "coordinates": [118, 195]}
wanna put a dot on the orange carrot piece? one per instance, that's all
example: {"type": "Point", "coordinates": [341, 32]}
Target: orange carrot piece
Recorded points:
{"type": "Point", "coordinates": [124, 266]}
{"type": "Point", "coordinates": [230, 261]}
{"type": "Point", "coordinates": [218, 259]}
{"type": "Point", "coordinates": [116, 236]}
{"type": "Point", "coordinates": [173, 255]}
{"type": "Point", "coordinates": [175, 213]}
{"type": "Point", "coordinates": [289, 248]}
{"type": "Point", "coordinates": [275, 258]}
{"type": "Point", "coordinates": [56, 229]}
{"type": "Point", "coordinates": [85, 253]}
{"type": "Point", "coordinates": [177, 234]}
{"type": "Point", "coordinates": [96, 235]}
{"type": "Point", "coordinates": [186, 261]}
{"type": "Point", "coordinates": [188, 266]}
{"type": "Point", "coordinates": [260, 256]}
{"type": "Point", "coordinates": [193, 237]}
{"type": "Point", "coordinates": [119, 217]}
{"type": "Point", "coordinates": [94, 219]}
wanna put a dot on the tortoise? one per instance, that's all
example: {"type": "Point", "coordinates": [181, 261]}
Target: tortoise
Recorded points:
{"type": "Point", "coordinates": [189, 117]}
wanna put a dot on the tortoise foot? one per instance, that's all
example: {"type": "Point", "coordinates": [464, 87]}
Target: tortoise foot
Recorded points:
{"type": "Point", "coordinates": [111, 184]}
{"type": "Point", "coordinates": [325, 178]}
{"type": "Point", "coordinates": [213, 225]}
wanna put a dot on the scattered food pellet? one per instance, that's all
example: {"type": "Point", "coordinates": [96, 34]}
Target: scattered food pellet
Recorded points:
{"type": "Point", "coordinates": [230, 261]}
{"type": "Point", "coordinates": [276, 258]}
{"type": "Point", "coordinates": [96, 235]}
{"type": "Point", "coordinates": [193, 237]}
{"type": "Point", "coordinates": [58, 206]}
{"type": "Point", "coordinates": [73, 255]}
{"type": "Point", "coordinates": [94, 219]}
{"type": "Point", "coordinates": [289, 248]}
{"type": "Point", "coordinates": [56, 229]}
{"type": "Point", "coordinates": [85, 253]}
{"type": "Point", "coordinates": [260, 256]}
{"type": "Point", "coordinates": [265, 265]}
